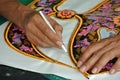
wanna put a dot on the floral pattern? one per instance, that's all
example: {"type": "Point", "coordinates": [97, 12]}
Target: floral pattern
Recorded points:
{"type": "Point", "coordinates": [65, 14]}
{"type": "Point", "coordinates": [16, 36]}
{"type": "Point", "coordinates": [103, 17]}
{"type": "Point", "coordinates": [46, 5]}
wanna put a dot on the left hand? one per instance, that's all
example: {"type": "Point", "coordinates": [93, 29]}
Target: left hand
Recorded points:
{"type": "Point", "coordinates": [98, 54]}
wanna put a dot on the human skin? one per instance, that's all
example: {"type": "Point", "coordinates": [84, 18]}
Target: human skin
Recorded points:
{"type": "Point", "coordinates": [98, 54]}
{"type": "Point", "coordinates": [37, 31]}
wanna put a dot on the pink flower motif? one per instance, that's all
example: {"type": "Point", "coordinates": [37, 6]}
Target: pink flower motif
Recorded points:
{"type": "Point", "coordinates": [108, 66]}
{"type": "Point", "coordinates": [17, 38]}
{"type": "Point", "coordinates": [109, 25]}
{"type": "Point", "coordinates": [25, 48]}
{"type": "Point", "coordinates": [51, 0]}
{"type": "Point", "coordinates": [45, 3]}
{"type": "Point", "coordinates": [106, 6]}
{"type": "Point", "coordinates": [23, 31]}
{"type": "Point", "coordinates": [82, 43]}
{"type": "Point", "coordinates": [84, 32]}
{"type": "Point", "coordinates": [15, 28]}
{"type": "Point", "coordinates": [91, 27]}
{"type": "Point", "coordinates": [85, 41]}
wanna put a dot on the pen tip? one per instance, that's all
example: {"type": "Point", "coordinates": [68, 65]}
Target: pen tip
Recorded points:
{"type": "Point", "coordinates": [63, 47]}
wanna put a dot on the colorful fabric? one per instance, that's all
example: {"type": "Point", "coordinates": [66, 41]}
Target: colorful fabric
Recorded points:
{"type": "Point", "coordinates": [80, 29]}
{"type": "Point", "coordinates": [96, 25]}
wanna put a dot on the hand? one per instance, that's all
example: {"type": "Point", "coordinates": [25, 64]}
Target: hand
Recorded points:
{"type": "Point", "coordinates": [38, 32]}
{"type": "Point", "coordinates": [98, 54]}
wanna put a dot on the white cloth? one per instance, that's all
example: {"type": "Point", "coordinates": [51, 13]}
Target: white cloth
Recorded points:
{"type": "Point", "coordinates": [10, 57]}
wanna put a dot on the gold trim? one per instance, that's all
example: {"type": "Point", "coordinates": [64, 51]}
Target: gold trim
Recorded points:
{"type": "Point", "coordinates": [16, 49]}
{"type": "Point", "coordinates": [50, 59]}
{"type": "Point", "coordinates": [73, 37]}
{"type": "Point", "coordinates": [75, 33]}
{"type": "Point", "coordinates": [46, 58]}
{"type": "Point", "coordinates": [96, 7]}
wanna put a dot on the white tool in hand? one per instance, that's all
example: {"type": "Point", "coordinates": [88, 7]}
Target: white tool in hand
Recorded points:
{"type": "Point", "coordinates": [48, 23]}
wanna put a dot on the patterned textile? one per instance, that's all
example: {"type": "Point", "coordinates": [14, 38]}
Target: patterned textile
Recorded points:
{"type": "Point", "coordinates": [79, 28]}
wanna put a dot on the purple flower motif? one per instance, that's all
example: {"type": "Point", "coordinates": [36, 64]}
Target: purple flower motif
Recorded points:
{"type": "Point", "coordinates": [51, 0]}
{"type": "Point", "coordinates": [91, 27]}
{"type": "Point", "coordinates": [17, 38]}
{"type": "Point", "coordinates": [25, 48]}
{"type": "Point", "coordinates": [106, 9]}
{"type": "Point", "coordinates": [117, 1]}
{"type": "Point", "coordinates": [44, 3]}
{"type": "Point", "coordinates": [47, 10]}
{"type": "Point", "coordinates": [15, 28]}
{"type": "Point", "coordinates": [102, 20]}
{"type": "Point", "coordinates": [82, 43]}
{"type": "Point", "coordinates": [109, 25]}
{"type": "Point", "coordinates": [107, 6]}
{"type": "Point", "coordinates": [108, 66]}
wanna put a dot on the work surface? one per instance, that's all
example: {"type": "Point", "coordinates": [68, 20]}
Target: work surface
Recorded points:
{"type": "Point", "coordinates": [52, 60]}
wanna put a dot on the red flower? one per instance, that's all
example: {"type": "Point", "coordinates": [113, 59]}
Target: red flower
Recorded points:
{"type": "Point", "coordinates": [66, 14]}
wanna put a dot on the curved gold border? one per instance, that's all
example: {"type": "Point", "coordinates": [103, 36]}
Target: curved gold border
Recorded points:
{"type": "Point", "coordinates": [97, 6]}
{"type": "Point", "coordinates": [73, 37]}
{"type": "Point", "coordinates": [75, 33]}
{"type": "Point", "coordinates": [7, 41]}
{"type": "Point", "coordinates": [46, 58]}
{"type": "Point", "coordinates": [77, 29]}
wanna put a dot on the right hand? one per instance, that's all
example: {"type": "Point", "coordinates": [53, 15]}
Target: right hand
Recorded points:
{"type": "Point", "coordinates": [38, 32]}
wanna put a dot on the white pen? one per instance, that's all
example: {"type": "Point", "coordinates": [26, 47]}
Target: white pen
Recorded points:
{"type": "Point", "coordinates": [48, 23]}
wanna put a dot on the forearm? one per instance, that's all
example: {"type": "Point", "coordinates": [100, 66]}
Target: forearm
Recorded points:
{"type": "Point", "coordinates": [14, 11]}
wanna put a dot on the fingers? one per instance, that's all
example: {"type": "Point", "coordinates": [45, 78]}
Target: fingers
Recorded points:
{"type": "Point", "coordinates": [88, 52]}
{"type": "Point", "coordinates": [58, 28]}
{"type": "Point", "coordinates": [39, 35]}
{"type": "Point", "coordinates": [100, 64]}
{"type": "Point", "coordinates": [94, 48]}
{"type": "Point", "coordinates": [94, 55]}
{"type": "Point", "coordinates": [42, 34]}
{"type": "Point", "coordinates": [83, 49]}
{"type": "Point", "coordinates": [40, 23]}
{"type": "Point", "coordinates": [116, 67]}
{"type": "Point", "coordinates": [32, 38]}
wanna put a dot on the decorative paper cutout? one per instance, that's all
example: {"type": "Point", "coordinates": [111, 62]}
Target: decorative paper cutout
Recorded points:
{"type": "Point", "coordinates": [103, 18]}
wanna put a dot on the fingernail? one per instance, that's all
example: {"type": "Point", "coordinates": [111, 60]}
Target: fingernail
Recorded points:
{"type": "Point", "coordinates": [82, 69]}
{"type": "Point", "coordinates": [94, 70]}
{"type": "Point", "coordinates": [59, 43]}
{"type": "Point", "coordinates": [79, 63]}
{"type": "Point", "coordinates": [112, 71]}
